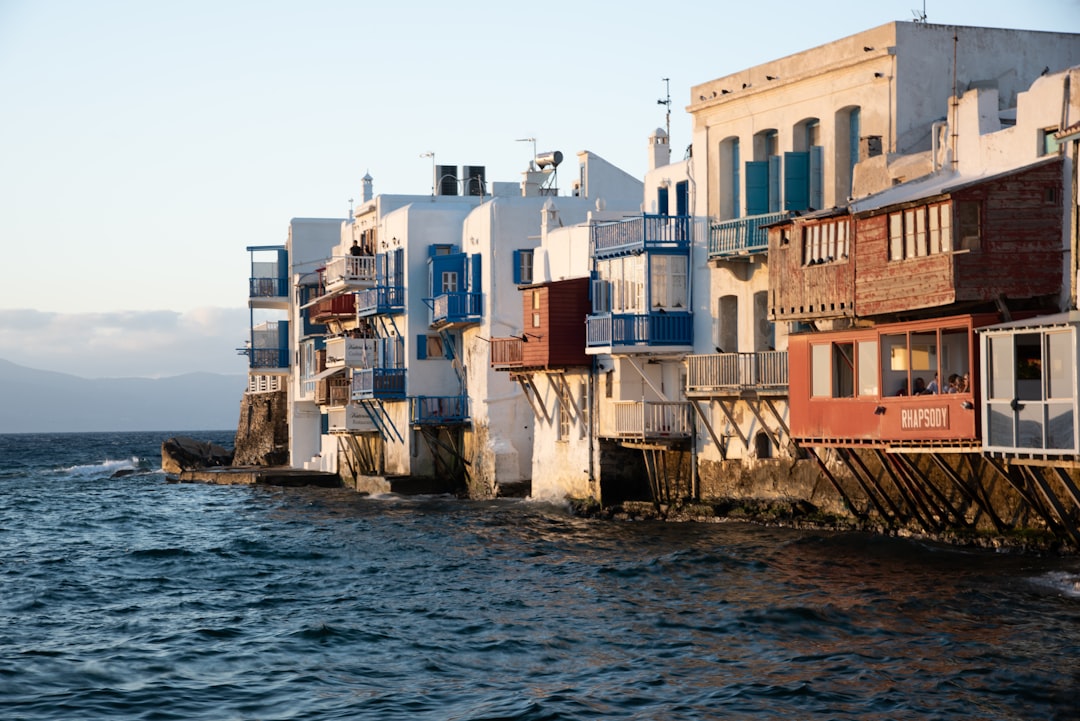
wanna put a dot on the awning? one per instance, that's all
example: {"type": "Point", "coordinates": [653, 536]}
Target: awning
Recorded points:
{"type": "Point", "coordinates": [329, 372]}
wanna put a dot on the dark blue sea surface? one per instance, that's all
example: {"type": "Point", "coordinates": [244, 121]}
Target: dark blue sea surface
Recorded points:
{"type": "Point", "coordinates": [133, 598]}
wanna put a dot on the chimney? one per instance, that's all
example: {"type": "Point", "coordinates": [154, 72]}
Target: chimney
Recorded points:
{"type": "Point", "coordinates": [659, 149]}
{"type": "Point", "coordinates": [366, 194]}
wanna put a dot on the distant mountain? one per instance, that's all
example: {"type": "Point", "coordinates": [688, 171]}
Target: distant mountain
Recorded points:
{"type": "Point", "coordinates": [43, 401]}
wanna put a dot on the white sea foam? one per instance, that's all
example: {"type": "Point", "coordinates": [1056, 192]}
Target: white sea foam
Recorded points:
{"type": "Point", "coordinates": [104, 468]}
{"type": "Point", "coordinates": [1062, 582]}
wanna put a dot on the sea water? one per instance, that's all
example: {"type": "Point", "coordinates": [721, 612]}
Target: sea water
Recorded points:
{"type": "Point", "coordinates": [123, 596]}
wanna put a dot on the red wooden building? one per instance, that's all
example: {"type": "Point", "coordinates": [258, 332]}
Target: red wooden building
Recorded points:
{"type": "Point", "coordinates": [937, 246]}
{"type": "Point", "coordinates": [553, 328]}
{"type": "Point", "coordinates": [856, 387]}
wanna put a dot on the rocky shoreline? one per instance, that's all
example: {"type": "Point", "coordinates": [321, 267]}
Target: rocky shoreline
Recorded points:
{"type": "Point", "coordinates": [801, 514]}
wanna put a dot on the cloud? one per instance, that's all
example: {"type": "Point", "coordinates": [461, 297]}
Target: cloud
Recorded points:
{"type": "Point", "coordinates": [149, 344]}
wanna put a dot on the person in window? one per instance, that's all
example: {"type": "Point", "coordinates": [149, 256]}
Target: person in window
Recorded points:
{"type": "Point", "coordinates": [954, 384]}
{"type": "Point", "coordinates": [356, 249]}
{"type": "Point", "coordinates": [965, 384]}
{"type": "Point", "coordinates": [920, 387]}
{"type": "Point", "coordinates": [931, 389]}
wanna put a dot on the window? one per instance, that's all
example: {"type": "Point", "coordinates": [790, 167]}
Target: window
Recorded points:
{"type": "Point", "coordinates": [449, 281]}
{"type": "Point", "coordinates": [432, 347]}
{"type": "Point", "coordinates": [564, 419]}
{"type": "Point", "coordinates": [727, 324]}
{"type": "Point", "coordinates": [916, 232]}
{"type": "Point", "coordinates": [523, 267]}
{"type": "Point", "coordinates": [667, 284]}
{"type": "Point", "coordinates": [969, 224]}
{"type": "Point", "coordinates": [868, 365]}
{"type": "Point", "coordinates": [536, 309]}
{"type": "Point", "coordinates": [825, 242]}
{"type": "Point", "coordinates": [1048, 144]}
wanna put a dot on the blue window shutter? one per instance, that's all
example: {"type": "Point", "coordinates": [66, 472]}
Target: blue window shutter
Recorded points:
{"type": "Point", "coordinates": [853, 142]}
{"type": "Point", "coordinates": [662, 201]}
{"type": "Point", "coordinates": [757, 187]}
{"type": "Point", "coordinates": [796, 181]}
{"type": "Point", "coordinates": [735, 209]}
{"type": "Point", "coordinates": [474, 273]}
{"type": "Point", "coordinates": [817, 177]}
{"type": "Point", "coordinates": [421, 347]}
{"type": "Point", "coordinates": [774, 184]}
{"type": "Point", "coordinates": [682, 198]}
{"type": "Point", "coordinates": [517, 267]}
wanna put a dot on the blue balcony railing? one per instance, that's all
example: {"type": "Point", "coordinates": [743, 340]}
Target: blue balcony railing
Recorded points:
{"type": "Point", "coordinates": [378, 383]}
{"type": "Point", "coordinates": [642, 232]}
{"type": "Point", "coordinates": [381, 300]}
{"type": "Point", "coordinates": [639, 329]}
{"type": "Point", "coordinates": [742, 236]}
{"type": "Point", "coordinates": [438, 410]}
{"type": "Point", "coordinates": [455, 308]}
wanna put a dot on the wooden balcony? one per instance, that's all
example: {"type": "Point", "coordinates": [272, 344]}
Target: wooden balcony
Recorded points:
{"type": "Point", "coordinates": [726, 374]}
{"type": "Point", "coordinates": [506, 353]}
{"type": "Point", "coordinates": [646, 420]}
{"type": "Point", "coordinates": [341, 306]}
{"type": "Point", "coordinates": [641, 233]}
{"type": "Point", "coordinates": [350, 272]}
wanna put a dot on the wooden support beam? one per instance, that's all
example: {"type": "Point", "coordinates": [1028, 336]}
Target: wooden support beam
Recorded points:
{"type": "Point", "coordinates": [722, 447]}
{"type": "Point", "coordinates": [918, 512]}
{"type": "Point", "coordinates": [943, 503]}
{"type": "Point", "coordinates": [750, 403]}
{"type": "Point", "coordinates": [1065, 518]}
{"type": "Point", "coordinates": [836, 484]}
{"type": "Point", "coordinates": [982, 503]}
{"type": "Point", "coordinates": [884, 495]}
{"type": "Point", "coordinates": [843, 453]}
{"type": "Point", "coordinates": [731, 419]}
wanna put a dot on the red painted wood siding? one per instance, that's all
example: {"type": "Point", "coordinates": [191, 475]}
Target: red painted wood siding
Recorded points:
{"type": "Point", "coordinates": [800, 292]}
{"type": "Point", "coordinates": [563, 307]}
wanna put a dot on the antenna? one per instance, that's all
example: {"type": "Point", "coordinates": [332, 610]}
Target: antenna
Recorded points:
{"type": "Point", "coordinates": [528, 140]}
{"type": "Point", "coordinates": [920, 17]}
{"type": "Point", "coordinates": [667, 101]}
{"type": "Point", "coordinates": [431, 154]}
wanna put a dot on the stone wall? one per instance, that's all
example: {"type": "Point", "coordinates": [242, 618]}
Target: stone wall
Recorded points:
{"type": "Point", "coordinates": [262, 435]}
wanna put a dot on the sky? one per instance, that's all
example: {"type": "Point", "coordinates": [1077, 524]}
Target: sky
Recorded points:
{"type": "Point", "coordinates": [145, 145]}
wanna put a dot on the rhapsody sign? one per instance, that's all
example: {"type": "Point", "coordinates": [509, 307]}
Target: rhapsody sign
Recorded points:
{"type": "Point", "coordinates": [913, 419]}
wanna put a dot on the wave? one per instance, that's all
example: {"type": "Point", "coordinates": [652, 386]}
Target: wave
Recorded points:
{"type": "Point", "coordinates": [1063, 582]}
{"type": "Point", "coordinates": [108, 468]}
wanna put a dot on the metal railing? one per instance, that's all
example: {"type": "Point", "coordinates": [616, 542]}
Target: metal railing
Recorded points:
{"type": "Point", "coordinates": [455, 308]}
{"type": "Point", "coordinates": [268, 287]}
{"type": "Point", "coordinates": [669, 328]}
{"type": "Point", "coordinates": [378, 383]}
{"type": "Point", "coordinates": [436, 410]}
{"type": "Point", "coordinates": [764, 370]}
{"type": "Point", "coordinates": [266, 357]}
{"type": "Point", "coordinates": [742, 236]}
{"type": "Point", "coordinates": [642, 231]}
{"type": "Point", "coordinates": [506, 352]}
{"type": "Point", "coordinates": [648, 419]}
{"type": "Point", "coordinates": [381, 299]}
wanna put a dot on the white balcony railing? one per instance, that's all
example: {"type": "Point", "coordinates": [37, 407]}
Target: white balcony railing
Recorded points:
{"type": "Point", "coordinates": [644, 419]}
{"type": "Point", "coordinates": [761, 371]}
{"type": "Point", "coordinates": [350, 271]}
